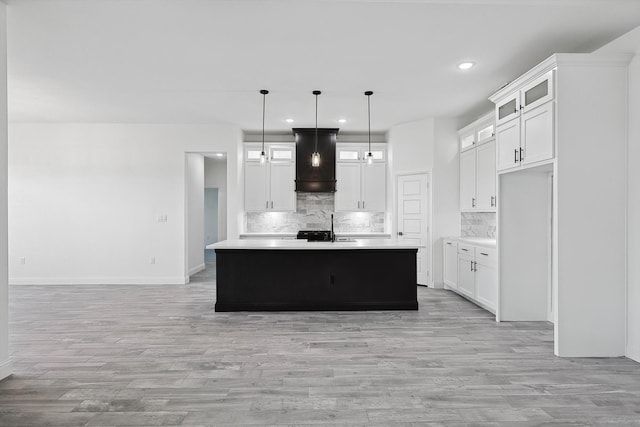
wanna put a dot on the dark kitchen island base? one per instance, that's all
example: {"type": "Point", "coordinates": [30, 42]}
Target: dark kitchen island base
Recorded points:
{"type": "Point", "coordinates": [311, 280]}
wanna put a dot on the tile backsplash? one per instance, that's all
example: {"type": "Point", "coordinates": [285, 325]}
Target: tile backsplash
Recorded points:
{"type": "Point", "coordinates": [314, 213]}
{"type": "Point", "coordinates": [478, 224]}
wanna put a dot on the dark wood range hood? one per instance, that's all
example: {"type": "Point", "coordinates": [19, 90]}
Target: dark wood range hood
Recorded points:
{"type": "Point", "coordinates": [321, 179]}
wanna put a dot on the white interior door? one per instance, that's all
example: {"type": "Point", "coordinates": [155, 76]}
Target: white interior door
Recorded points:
{"type": "Point", "coordinates": [413, 215]}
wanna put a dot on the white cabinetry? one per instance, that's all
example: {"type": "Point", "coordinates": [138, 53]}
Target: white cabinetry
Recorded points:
{"type": "Point", "coordinates": [360, 186]}
{"type": "Point", "coordinates": [450, 271]}
{"type": "Point", "coordinates": [525, 124]}
{"type": "Point", "coordinates": [269, 186]}
{"type": "Point", "coordinates": [471, 271]}
{"type": "Point", "coordinates": [478, 166]}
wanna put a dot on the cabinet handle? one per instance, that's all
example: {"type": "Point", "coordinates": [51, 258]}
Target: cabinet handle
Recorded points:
{"type": "Point", "coordinates": [473, 202]}
{"type": "Point", "coordinates": [466, 250]}
{"type": "Point", "coordinates": [482, 253]}
{"type": "Point", "coordinates": [363, 204]}
{"type": "Point", "coordinates": [515, 155]}
{"type": "Point", "coordinates": [358, 204]}
{"type": "Point", "coordinates": [449, 243]}
{"type": "Point", "coordinates": [493, 201]}
{"type": "Point", "coordinates": [272, 204]}
{"type": "Point", "coordinates": [399, 233]}
{"type": "Point", "coordinates": [475, 267]}
{"type": "Point", "coordinates": [521, 107]}
{"type": "Point", "coordinates": [267, 204]}
{"type": "Point", "coordinates": [521, 154]}
{"type": "Point", "coordinates": [471, 265]}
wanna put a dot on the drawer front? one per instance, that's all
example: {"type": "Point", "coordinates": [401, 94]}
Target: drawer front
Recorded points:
{"type": "Point", "coordinates": [486, 256]}
{"type": "Point", "coordinates": [466, 249]}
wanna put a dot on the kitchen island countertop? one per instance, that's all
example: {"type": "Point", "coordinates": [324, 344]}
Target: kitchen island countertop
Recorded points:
{"type": "Point", "coordinates": [354, 244]}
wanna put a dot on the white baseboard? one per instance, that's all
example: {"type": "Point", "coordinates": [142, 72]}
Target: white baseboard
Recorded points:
{"type": "Point", "coordinates": [6, 369]}
{"type": "Point", "coordinates": [197, 269]}
{"type": "Point", "coordinates": [171, 280]}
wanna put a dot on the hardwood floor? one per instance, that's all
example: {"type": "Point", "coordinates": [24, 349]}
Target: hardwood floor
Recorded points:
{"type": "Point", "coordinates": [160, 355]}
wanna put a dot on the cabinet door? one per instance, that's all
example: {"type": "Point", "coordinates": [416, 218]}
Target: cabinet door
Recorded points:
{"type": "Point", "coordinates": [346, 152]}
{"type": "Point", "coordinates": [466, 276]}
{"type": "Point", "coordinates": [255, 186]}
{"type": "Point", "coordinates": [468, 180]}
{"type": "Point", "coordinates": [487, 285]}
{"type": "Point", "coordinates": [374, 187]}
{"type": "Point", "coordinates": [537, 92]}
{"type": "Point", "coordinates": [508, 145]}
{"type": "Point", "coordinates": [348, 187]}
{"type": "Point", "coordinates": [450, 273]}
{"type": "Point", "coordinates": [282, 186]}
{"type": "Point", "coordinates": [486, 176]}
{"type": "Point", "coordinates": [537, 134]}
{"type": "Point", "coordinates": [467, 139]}
{"type": "Point", "coordinates": [508, 109]}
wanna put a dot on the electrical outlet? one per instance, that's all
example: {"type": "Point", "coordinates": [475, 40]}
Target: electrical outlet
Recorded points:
{"type": "Point", "coordinates": [23, 260]}
{"type": "Point", "coordinates": [162, 218]}
{"type": "Point", "coordinates": [152, 260]}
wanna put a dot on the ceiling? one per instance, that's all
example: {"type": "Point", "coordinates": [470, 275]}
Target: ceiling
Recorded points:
{"type": "Point", "coordinates": [204, 61]}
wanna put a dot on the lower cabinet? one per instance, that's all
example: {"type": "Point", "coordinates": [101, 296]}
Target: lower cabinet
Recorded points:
{"type": "Point", "coordinates": [471, 271]}
{"type": "Point", "coordinates": [466, 275]}
{"type": "Point", "coordinates": [450, 271]}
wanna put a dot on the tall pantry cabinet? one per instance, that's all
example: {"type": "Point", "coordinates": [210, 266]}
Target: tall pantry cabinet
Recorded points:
{"type": "Point", "coordinates": [561, 160]}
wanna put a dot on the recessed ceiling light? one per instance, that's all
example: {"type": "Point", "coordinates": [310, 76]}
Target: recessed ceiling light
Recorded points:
{"type": "Point", "coordinates": [342, 120]}
{"type": "Point", "coordinates": [219, 154]}
{"type": "Point", "coordinates": [466, 65]}
{"type": "Point", "coordinates": [289, 120]}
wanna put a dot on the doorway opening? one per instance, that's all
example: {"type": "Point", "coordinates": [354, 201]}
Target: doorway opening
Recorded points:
{"type": "Point", "coordinates": [206, 209]}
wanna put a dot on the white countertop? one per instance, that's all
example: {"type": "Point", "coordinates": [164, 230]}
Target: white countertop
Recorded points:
{"type": "Point", "coordinates": [478, 241]}
{"type": "Point", "coordinates": [304, 245]}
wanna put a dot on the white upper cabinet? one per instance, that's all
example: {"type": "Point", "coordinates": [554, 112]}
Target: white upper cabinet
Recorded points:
{"type": "Point", "coordinates": [537, 92]}
{"type": "Point", "coordinates": [360, 186]}
{"type": "Point", "coordinates": [478, 132]}
{"type": "Point", "coordinates": [536, 134]}
{"type": "Point", "coordinates": [530, 138]}
{"type": "Point", "coordinates": [347, 186]}
{"type": "Point", "coordinates": [478, 166]}
{"type": "Point", "coordinates": [374, 181]}
{"type": "Point", "coordinates": [270, 186]}
{"type": "Point", "coordinates": [508, 109]}
{"type": "Point", "coordinates": [486, 176]}
{"type": "Point", "coordinates": [468, 180]}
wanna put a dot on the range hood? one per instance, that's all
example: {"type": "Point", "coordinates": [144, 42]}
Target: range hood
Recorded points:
{"type": "Point", "coordinates": [320, 179]}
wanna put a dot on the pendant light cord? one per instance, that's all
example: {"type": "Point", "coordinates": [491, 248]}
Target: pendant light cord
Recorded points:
{"type": "Point", "coordinates": [368, 114]}
{"type": "Point", "coordinates": [316, 93]}
{"type": "Point", "coordinates": [369, 93]}
{"type": "Point", "coordinates": [264, 93]}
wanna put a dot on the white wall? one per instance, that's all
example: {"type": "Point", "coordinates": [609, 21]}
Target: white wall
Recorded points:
{"type": "Point", "coordinates": [84, 199]}
{"type": "Point", "coordinates": [429, 145]}
{"type": "Point", "coordinates": [215, 176]}
{"type": "Point", "coordinates": [630, 44]}
{"type": "Point", "coordinates": [5, 368]}
{"type": "Point", "coordinates": [195, 212]}
{"type": "Point", "coordinates": [633, 213]}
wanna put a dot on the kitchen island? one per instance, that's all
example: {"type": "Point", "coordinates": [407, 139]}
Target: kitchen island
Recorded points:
{"type": "Point", "coordinates": [278, 275]}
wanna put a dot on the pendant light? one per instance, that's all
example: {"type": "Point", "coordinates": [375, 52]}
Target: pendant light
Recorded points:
{"type": "Point", "coordinates": [369, 154]}
{"type": "Point", "coordinates": [315, 157]}
{"type": "Point", "coordinates": [263, 156]}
